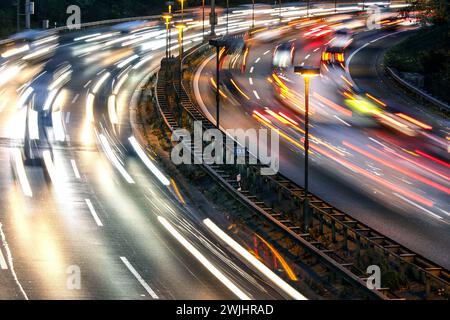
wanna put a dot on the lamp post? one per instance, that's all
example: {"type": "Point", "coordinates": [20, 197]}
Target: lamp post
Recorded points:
{"type": "Point", "coordinates": [228, 7]}
{"type": "Point", "coordinates": [218, 43]}
{"type": "Point", "coordinates": [181, 29]}
{"type": "Point", "coordinates": [306, 72]}
{"type": "Point", "coordinates": [279, 9]}
{"type": "Point", "coordinates": [253, 14]}
{"type": "Point", "coordinates": [203, 18]}
{"type": "Point", "coordinates": [167, 17]}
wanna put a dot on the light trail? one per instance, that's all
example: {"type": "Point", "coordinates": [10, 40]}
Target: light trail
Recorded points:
{"type": "Point", "coordinates": [203, 260]}
{"type": "Point", "coordinates": [255, 262]}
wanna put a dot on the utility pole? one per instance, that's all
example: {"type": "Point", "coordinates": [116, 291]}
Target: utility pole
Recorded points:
{"type": "Point", "coordinates": [18, 15]}
{"type": "Point", "coordinates": [27, 14]}
{"type": "Point", "coordinates": [212, 18]}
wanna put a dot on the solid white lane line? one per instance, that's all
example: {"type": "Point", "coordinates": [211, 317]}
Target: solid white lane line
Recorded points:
{"type": "Point", "coordinates": [10, 261]}
{"type": "Point", "coordinates": [256, 94]}
{"type": "Point", "coordinates": [344, 122]}
{"type": "Point", "coordinates": [75, 169]}
{"type": "Point", "coordinates": [93, 212]}
{"type": "Point", "coordinates": [419, 206]}
{"type": "Point", "coordinates": [75, 98]}
{"type": "Point", "coordinates": [3, 264]}
{"type": "Point", "coordinates": [139, 278]}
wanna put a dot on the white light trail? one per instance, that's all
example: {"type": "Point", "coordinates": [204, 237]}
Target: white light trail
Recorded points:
{"type": "Point", "coordinates": [147, 162]}
{"type": "Point", "coordinates": [20, 169]}
{"type": "Point", "coordinates": [202, 259]}
{"type": "Point", "coordinates": [112, 157]}
{"type": "Point", "coordinates": [255, 262]}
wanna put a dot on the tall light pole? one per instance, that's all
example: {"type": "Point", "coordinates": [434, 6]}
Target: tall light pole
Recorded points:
{"type": "Point", "coordinates": [167, 17]}
{"type": "Point", "coordinates": [203, 18]}
{"type": "Point", "coordinates": [218, 43]}
{"type": "Point", "coordinates": [181, 30]}
{"type": "Point", "coordinates": [228, 7]}
{"type": "Point", "coordinates": [253, 14]}
{"type": "Point", "coordinates": [213, 18]}
{"type": "Point", "coordinates": [279, 9]}
{"type": "Point", "coordinates": [306, 72]}
{"type": "Point", "coordinates": [307, 9]}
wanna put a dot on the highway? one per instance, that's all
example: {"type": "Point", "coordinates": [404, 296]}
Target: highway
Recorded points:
{"type": "Point", "coordinates": [91, 206]}
{"type": "Point", "coordinates": [386, 179]}
{"type": "Point", "coordinates": [95, 204]}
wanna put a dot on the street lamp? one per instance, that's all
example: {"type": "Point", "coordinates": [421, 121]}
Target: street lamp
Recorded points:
{"type": "Point", "coordinates": [167, 17]}
{"type": "Point", "coordinates": [181, 30]}
{"type": "Point", "coordinates": [253, 14]}
{"type": "Point", "coordinates": [306, 72]}
{"type": "Point", "coordinates": [203, 19]}
{"type": "Point", "coordinates": [279, 9]}
{"type": "Point", "coordinates": [307, 9]}
{"type": "Point", "coordinates": [218, 43]}
{"type": "Point", "coordinates": [228, 7]}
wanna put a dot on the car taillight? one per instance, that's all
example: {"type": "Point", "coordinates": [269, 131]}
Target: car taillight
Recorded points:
{"type": "Point", "coordinates": [326, 56]}
{"type": "Point", "coordinates": [339, 57]}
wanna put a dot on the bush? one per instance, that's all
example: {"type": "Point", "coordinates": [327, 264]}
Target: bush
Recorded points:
{"type": "Point", "coordinates": [426, 52]}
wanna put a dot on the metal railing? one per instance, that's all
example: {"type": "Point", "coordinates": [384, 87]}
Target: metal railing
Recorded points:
{"type": "Point", "coordinates": [422, 94]}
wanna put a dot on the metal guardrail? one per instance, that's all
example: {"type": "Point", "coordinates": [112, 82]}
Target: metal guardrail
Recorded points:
{"type": "Point", "coordinates": [422, 94]}
{"type": "Point", "coordinates": [354, 235]}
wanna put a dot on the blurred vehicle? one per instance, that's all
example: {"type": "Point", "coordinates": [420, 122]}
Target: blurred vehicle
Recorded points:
{"type": "Point", "coordinates": [268, 34]}
{"type": "Point", "coordinates": [333, 55]}
{"type": "Point", "coordinates": [335, 51]}
{"type": "Point", "coordinates": [391, 22]}
{"type": "Point", "coordinates": [30, 45]}
{"type": "Point", "coordinates": [318, 31]}
{"type": "Point", "coordinates": [134, 26]}
{"type": "Point", "coordinates": [283, 55]}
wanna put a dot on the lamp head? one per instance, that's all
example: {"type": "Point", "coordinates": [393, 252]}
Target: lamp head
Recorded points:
{"type": "Point", "coordinates": [217, 42]}
{"type": "Point", "coordinates": [307, 71]}
{"type": "Point", "coordinates": [167, 16]}
{"type": "Point", "coordinates": [180, 26]}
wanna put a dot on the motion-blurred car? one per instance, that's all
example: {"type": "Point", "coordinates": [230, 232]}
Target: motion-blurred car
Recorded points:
{"type": "Point", "coordinates": [283, 55]}
{"type": "Point", "coordinates": [318, 31]}
{"type": "Point", "coordinates": [30, 45]}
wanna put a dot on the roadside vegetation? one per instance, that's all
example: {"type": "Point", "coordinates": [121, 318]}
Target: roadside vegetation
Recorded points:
{"type": "Point", "coordinates": [427, 51]}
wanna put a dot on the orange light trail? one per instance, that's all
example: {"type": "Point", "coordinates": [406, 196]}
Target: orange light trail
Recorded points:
{"type": "Point", "coordinates": [239, 89]}
{"type": "Point", "coordinates": [280, 258]}
{"type": "Point", "coordinates": [261, 116]}
{"type": "Point", "coordinates": [414, 121]}
{"type": "Point", "coordinates": [376, 100]}
{"type": "Point", "coordinates": [288, 118]}
{"type": "Point", "coordinates": [278, 117]}
{"type": "Point", "coordinates": [215, 86]}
